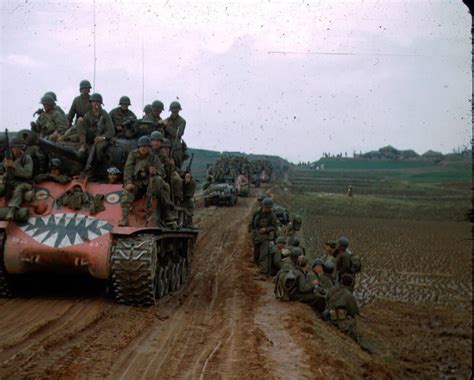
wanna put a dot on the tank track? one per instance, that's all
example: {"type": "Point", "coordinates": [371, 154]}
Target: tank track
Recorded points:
{"type": "Point", "coordinates": [138, 277]}
{"type": "Point", "coordinates": [5, 290]}
{"type": "Point", "coordinates": [133, 267]}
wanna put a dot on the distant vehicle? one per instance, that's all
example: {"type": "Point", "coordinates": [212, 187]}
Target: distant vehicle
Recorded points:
{"type": "Point", "coordinates": [264, 177]}
{"type": "Point", "coordinates": [255, 179]}
{"type": "Point", "coordinates": [242, 185]}
{"type": "Point", "coordinates": [220, 194]}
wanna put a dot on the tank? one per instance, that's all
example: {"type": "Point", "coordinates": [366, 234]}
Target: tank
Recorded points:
{"type": "Point", "coordinates": [220, 194]}
{"type": "Point", "coordinates": [142, 262]}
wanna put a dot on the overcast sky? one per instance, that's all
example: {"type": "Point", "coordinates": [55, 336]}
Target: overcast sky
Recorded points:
{"type": "Point", "coordinates": [292, 78]}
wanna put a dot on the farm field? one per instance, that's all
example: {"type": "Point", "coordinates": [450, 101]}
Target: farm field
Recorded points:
{"type": "Point", "coordinates": [414, 240]}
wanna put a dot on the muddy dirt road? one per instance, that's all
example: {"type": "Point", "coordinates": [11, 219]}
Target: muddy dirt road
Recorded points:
{"type": "Point", "coordinates": [223, 324]}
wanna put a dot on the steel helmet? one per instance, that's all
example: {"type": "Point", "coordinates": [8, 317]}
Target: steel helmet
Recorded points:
{"type": "Point", "coordinates": [175, 106]}
{"type": "Point", "coordinates": [144, 141]}
{"type": "Point", "coordinates": [84, 84]}
{"type": "Point", "coordinates": [96, 97]}
{"type": "Point", "coordinates": [124, 100]}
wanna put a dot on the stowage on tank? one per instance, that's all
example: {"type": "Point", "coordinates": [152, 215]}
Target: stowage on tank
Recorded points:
{"type": "Point", "coordinates": [72, 225]}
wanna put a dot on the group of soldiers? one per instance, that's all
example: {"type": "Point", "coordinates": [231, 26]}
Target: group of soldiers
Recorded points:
{"type": "Point", "coordinates": [154, 168]}
{"type": "Point", "coordinates": [228, 167]}
{"type": "Point", "coordinates": [95, 128]}
{"type": "Point", "coordinates": [326, 283]}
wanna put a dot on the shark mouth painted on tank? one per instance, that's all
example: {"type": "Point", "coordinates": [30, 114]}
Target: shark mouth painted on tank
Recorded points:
{"type": "Point", "coordinates": [65, 230]}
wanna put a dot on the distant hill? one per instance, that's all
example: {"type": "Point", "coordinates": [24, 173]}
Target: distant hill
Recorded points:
{"type": "Point", "coordinates": [203, 158]}
{"type": "Point", "coordinates": [390, 153]}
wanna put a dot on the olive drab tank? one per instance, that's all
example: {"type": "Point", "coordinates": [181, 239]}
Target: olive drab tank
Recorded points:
{"type": "Point", "coordinates": [142, 261]}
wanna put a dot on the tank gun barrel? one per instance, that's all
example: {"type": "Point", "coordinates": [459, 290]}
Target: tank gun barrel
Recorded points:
{"type": "Point", "coordinates": [60, 150]}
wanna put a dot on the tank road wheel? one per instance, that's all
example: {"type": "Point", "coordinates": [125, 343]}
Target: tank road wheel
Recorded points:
{"type": "Point", "coordinates": [133, 264]}
{"type": "Point", "coordinates": [5, 290]}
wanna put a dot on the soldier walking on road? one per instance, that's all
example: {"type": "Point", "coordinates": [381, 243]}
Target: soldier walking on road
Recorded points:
{"type": "Point", "coordinates": [263, 226]}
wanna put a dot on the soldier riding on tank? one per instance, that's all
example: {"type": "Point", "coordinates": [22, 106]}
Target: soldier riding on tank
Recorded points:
{"type": "Point", "coordinates": [51, 123]}
{"type": "Point", "coordinates": [174, 130]}
{"type": "Point", "coordinates": [123, 119]}
{"type": "Point", "coordinates": [96, 129]}
{"type": "Point", "coordinates": [16, 178]}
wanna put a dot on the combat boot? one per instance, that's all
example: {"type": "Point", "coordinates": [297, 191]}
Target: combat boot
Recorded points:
{"type": "Point", "coordinates": [11, 214]}
{"type": "Point", "coordinates": [124, 220]}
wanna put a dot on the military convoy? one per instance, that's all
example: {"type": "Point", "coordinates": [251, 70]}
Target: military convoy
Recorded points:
{"type": "Point", "coordinates": [73, 228]}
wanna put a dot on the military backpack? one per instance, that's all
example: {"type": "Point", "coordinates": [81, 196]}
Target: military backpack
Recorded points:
{"type": "Point", "coordinates": [356, 264]}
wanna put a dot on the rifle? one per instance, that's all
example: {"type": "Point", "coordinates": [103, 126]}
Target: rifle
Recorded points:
{"type": "Point", "coordinates": [149, 200]}
{"type": "Point", "coordinates": [90, 157]}
{"type": "Point", "coordinates": [188, 168]}
{"type": "Point", "coordinates": [8, 155]}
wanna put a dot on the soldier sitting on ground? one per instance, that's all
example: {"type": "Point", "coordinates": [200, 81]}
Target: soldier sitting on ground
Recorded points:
{"type": "Point", "coordinates": [341, 309]}
{"type": "Point", "coordinates": [285, 279]}
{"type": "Point", "coordinates": [16, 178]}
{"type": "Point", "coordinates": [305, 291]}
{"type": "Point", "coordinates": [54, 173]}
{"type": "Point", "coordinates": [276, 253]}
{"type": "Point", "coordinates": [124, 119]}
{"type": "Point", "coordinates": [294, 226]}
{"type": "Point", "coordinates": [328, 253]}
{"type": "Point", "coordinates": [321, 273]}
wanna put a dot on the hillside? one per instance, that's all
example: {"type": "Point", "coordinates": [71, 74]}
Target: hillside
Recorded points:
{"type": "Point", "coordinates": [203, 158]}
